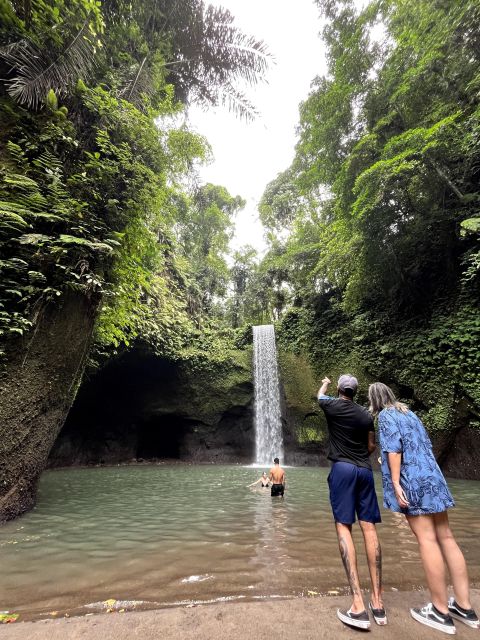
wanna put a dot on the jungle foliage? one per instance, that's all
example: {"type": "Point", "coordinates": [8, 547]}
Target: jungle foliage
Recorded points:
{"type": "Point", "coordinates": [98, 192]}
{"type": "Point", "coordinates": [374, 228]}
{"type": "Point", "coordinates": [373, 231]}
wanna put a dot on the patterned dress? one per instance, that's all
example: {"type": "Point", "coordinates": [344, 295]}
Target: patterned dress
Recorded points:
{"type": "Point", "coordinates": [420, 475]}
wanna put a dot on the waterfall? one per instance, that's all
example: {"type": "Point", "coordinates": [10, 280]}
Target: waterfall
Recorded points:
{"type": "Point", "coordinates": [268, 421]}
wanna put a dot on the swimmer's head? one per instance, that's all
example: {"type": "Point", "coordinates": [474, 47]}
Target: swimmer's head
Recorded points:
{"type": "Point", "coordinates": [276, 461]}
{"type": "Point", "coordinates": [264, 473]}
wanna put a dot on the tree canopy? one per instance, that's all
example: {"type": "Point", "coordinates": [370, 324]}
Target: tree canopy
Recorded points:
{"type": "Point", "coordinates": [374, 228]}
{"type": "Point", "coordinates": [95, 166]}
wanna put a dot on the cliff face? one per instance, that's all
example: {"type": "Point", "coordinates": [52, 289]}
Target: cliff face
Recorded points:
{"type": "Point", "coordinates": [141, 406]}
{"type": "Point", "coordinates": [304, 429]}
{"type": "Point", "coordinates": [37, 388]}
{"type": "Point", "coordinates": [456, 446]}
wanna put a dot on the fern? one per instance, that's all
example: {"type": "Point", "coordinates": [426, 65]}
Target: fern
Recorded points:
{"type": "Point", "coordinates": [11, 217]}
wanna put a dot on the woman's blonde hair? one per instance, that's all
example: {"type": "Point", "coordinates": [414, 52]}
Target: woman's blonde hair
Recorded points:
{"type": "Point", "coordinates": [381, 397]}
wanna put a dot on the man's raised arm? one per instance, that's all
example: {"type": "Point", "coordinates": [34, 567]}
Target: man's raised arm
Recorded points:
{"type": "Point", "coordinates": [324, 388]}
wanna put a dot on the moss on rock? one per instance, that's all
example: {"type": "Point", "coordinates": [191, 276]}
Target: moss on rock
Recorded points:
{"type": "Point", "coordinates": [304, 425]}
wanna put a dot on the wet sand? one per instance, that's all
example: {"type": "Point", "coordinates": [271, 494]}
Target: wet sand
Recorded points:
{"type": "Point", "coordinates": [296, 619]}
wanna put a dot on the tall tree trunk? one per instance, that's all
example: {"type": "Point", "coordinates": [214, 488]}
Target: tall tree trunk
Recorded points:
{"type": "Point", "coordinates": [37, 388]}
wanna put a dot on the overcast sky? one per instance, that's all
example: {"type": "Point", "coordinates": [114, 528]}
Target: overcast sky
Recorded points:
{"type": "Point", "coordinates": [249, 155]}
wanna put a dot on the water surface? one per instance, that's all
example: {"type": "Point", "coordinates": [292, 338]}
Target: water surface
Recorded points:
{"type": "Point", "coordinates": [165, 535]}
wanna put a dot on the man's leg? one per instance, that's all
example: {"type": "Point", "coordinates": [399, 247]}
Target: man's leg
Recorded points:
{"type": "Point", "coordinates": [368, 513]}
{"type": "Point", "coordinates": [349, 559]}
{"type": "Point", "coordinates": [374, 558]}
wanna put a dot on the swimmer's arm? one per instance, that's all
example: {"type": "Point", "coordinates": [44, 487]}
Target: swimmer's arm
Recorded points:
{"type": "Point", "coordinates": [394, 462]}
{"type": "Point", "coordinates": [254, 483]}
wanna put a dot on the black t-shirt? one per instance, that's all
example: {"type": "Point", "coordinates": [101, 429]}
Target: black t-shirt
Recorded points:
{"type": "Point", "coordinates": [348, 427]}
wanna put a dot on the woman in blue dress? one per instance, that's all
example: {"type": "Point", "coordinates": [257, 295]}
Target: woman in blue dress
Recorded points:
{"type": "Point", "coordinates": [414, 485]}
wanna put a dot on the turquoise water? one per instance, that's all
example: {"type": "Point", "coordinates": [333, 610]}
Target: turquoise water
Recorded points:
{"type": "Point", "coordinates": [163, 535]}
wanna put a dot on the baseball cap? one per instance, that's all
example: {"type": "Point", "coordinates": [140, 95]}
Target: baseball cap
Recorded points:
{"type": "Point", "coordinates": [347, 381]}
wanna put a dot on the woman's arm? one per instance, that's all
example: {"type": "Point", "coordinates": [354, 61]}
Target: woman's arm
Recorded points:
{"type": "Point", "coordinates": [392, 445]}
{"type": "Point", "coordinates": [394, 462]}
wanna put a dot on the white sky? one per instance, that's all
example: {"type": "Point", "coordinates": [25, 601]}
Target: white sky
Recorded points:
{"type": "Point", "coordinates": [247, 156]}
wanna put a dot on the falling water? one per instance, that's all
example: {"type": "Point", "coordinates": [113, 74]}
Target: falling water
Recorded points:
{"type": "Point", "coordinates": [268, 421]}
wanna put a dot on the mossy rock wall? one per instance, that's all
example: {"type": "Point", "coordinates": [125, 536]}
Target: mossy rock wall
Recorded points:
{"type": "Point", "coordinates": [456, 445]}
{"type": "Point", "coordinates": [455, 435]}
{"type": "Point", "coordinates": [304, 426]}
{"type": "Point", "coordinates": [141, 406]}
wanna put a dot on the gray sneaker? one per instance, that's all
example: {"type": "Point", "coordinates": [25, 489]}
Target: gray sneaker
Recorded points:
{"type": "Point", "coordinates": [467, 616]}
{"type": "Point", "coordinates": [359, 620]}
{"type": "Point", "coordinates": [379, 615]}
{"type": "Point", "coordinates": [432, 617]}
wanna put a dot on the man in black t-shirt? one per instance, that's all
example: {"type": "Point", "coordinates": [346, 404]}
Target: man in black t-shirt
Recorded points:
{"type": "Point", "coordinates": [352, 492]}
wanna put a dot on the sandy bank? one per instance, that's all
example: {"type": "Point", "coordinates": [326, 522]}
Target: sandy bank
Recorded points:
{"type": "Point", "coordinates": [298, 619]}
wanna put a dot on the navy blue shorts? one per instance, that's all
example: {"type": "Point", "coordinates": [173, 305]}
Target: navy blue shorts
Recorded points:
{"type": "Point", "coordinates": [352, 490]}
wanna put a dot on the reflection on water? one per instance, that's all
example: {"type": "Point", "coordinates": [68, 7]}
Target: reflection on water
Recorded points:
{"type": "Point", "coordinates": [271, 555]}
{"type": "Point", "coordinates": [165, 535]}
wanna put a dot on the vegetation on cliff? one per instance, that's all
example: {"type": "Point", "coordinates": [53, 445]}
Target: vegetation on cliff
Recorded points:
{"type": "Point", "coordinates": [94, 161]}
{"type": "Point", "coordinates": [96, 202]}
{"type": "Point", "coordinates": [374, 230]}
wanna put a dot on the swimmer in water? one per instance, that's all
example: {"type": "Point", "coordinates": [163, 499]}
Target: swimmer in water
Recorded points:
{"type": "Point", "coordinates": [263, 481]}
{"type": "Point", "coordinates": [277, 478]}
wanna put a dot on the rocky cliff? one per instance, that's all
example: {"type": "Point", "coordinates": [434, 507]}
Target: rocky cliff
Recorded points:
{"type": "Point", "coordinates": [141, 406]}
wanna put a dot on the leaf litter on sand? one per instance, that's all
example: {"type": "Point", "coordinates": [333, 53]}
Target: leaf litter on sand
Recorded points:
{"type": "Point", "coordinates": [6, 617]}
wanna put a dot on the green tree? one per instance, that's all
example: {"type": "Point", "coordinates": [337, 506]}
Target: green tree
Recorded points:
{"type": "Point", "coordinates": [241, 274]}
{"type": "Point", "coordinates": [204, 230]}
{"type": "Point", "coordinates": [91, 190]}
{"type": "Point", "coordinates": [382, 203]}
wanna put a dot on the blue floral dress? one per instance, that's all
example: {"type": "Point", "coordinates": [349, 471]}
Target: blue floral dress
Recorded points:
{"type": "Point", "coordinates": [420, 475]}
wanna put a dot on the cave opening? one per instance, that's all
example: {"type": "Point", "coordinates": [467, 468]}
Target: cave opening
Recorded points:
{"type": "Point", "coordinates": [162, 437]}
{"type": "Point", "coordinates": [134, 409]}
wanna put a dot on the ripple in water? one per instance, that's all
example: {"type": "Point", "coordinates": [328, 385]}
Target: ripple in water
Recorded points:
{"type": "Point", "coordinates": [160, 536]}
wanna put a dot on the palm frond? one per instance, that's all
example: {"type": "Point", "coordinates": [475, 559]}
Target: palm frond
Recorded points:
{"type": "Point", "coordinates": [139, 83]}
{"type": "Point", "coordinates": [210, 54]}
{"type": "Point", "coordinates": [34, 73]}
{"type": "Point", "coordinates": [137, 78]}
{"type": "Point", "coordinates": [237, 102]}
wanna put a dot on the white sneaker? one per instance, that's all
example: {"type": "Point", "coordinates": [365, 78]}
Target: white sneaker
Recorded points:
{"type": "Point", "coordinates": [379, 615]}
{"type": "Point", "coordinates": [467, 616]}
{"type": "Point", "coordinates": [432, 617]}
{"type": "Point", "coordinates": [359, 620]}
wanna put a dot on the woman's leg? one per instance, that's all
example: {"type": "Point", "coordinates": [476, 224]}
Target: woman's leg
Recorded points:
{"type": "Point", "coordinates": [431, 553]}
{"type": "Point", "coordinates": [454, 558]}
